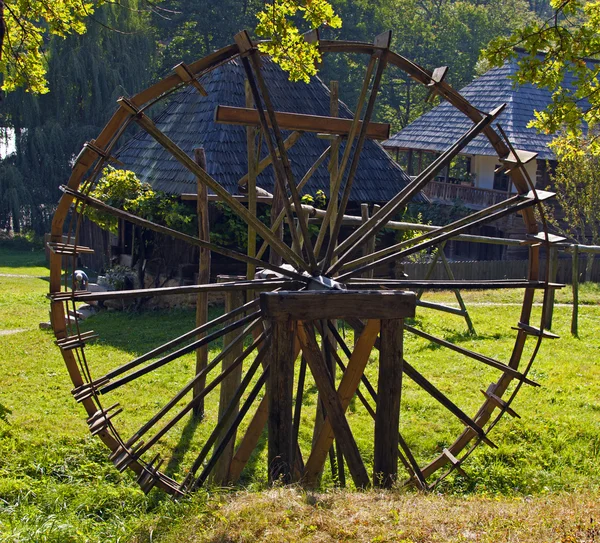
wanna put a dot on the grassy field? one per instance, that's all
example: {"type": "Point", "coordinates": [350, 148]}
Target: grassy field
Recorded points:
{"type": "Point", "coordinates": [56, 483]}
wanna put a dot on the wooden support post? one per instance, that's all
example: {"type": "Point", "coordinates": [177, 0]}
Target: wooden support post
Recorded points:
{"type": "Point", "coordinates": [203, 277]}
{"type": "Point", "coordinates": [252, 167]}
{"type": "Point", "coordinates": [281, 381]}
{"type": "Point", "coordinates": [553, 270]}
{"type": "Point", "coordinates": [459, 298]}
{"type": "Point", "coordinates": [575, 284]}
{"type": "Point", "coordinates": [229, 386]}
{"type": "Point", "coordinates": [369, 247]}
{"type": "Point", "coordinates": [387, 417]}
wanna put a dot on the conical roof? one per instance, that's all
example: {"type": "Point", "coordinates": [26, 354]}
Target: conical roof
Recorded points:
{"type": "Point", "coordinates": [189, 121]}
{"type": "Point", "coordinates": [444, 124]}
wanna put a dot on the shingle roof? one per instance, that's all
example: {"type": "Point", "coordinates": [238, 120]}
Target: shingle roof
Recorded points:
{"type": "Point", "coordinates": [444, 124]}
{"type": "Point", "coordinates": [188, 120]}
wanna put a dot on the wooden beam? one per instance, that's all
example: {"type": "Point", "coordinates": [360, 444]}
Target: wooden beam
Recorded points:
{"type": "Point", "coordinates": [387, 416]}
{"type": "Point", "coordinates": [203, 276]}
{"type": "Point", "coordinates": [335, 409]}
{"type": "Point", "coordinates": [281, 381]}
{"type": "Point", "coordinates": [299, 122]}
{"type": "Point", "coordinates": [229, 386]}
{"type": "Point", "coordinates": [332, 304]}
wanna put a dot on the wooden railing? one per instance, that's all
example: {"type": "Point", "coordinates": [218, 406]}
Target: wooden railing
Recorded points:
{"type": "Point", "coordinates": [449, 192]}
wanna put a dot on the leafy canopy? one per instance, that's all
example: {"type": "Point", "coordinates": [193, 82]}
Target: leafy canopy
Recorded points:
{"type": "Point", "coordinates": [287, 46]}
{"type": "Point", "coordinates": [28, 22]}
{"type": "Point", "coordinates": [557, 49]}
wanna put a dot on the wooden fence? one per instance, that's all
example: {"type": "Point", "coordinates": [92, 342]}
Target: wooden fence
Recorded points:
{"type": "Point", "coordinates": [501, 269]}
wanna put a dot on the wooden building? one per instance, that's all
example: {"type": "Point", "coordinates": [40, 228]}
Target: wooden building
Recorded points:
{"type": "Point", "coordinates": [189, 120]}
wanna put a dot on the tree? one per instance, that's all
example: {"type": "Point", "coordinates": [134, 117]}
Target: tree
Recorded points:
{"type": "Point", "coordinates": [577, 186]}
{"type": "Point", "coordinates": [25, 26]}
{"type": "Point", "coordinates": [86, 74]}
{"type": "Point", "coordinates": [559, 49]}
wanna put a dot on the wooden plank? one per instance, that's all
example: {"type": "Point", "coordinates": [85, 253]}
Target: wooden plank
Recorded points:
{"type": "Point", "coordinates": [332, 304]}
{"type": "Point", "coordinates": [575, 286]}
{"type": "Point", "coordinates": [299, 122]}
{"type": "Point", "coordinates": [230, 384]}
{"type": "Point", "coordinates": [347, 388]}
{"type": "Point", "coordinates": [253, 432]}
{"type": "Point", "coordinates": [335, 410]}
{"type": "Point", "coordinates": [250, 181]}
{"type": "Point", "coordinates": [387, 415]}
{"type": "Point", "coordinates": [281, 384]}
{"type": "Point", "coordinates": [203, 276]}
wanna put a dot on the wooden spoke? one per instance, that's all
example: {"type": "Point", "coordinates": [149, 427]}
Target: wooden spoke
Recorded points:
{"type": "Point", "coordinates": [202, 375]}
{"type": "Point", "coordinates": [335, 413]}
{"type": "Point", "coordinates": [384, 41]}
{"type": "Point", "coordinates": [282, 164]}
{"type": "Point", "coordinates": [300, 186]}
{"type": "Point", "coordinates": [211, 386]}
{"type": "Point", "coordinates": [232, 429]}
{"type": "Point", "coordinates": [438, 395]}
{"type": "Point", "coordinates": [406, 456]}
{"type": "Point", "coordinates": [472, 354]}
{"type": "Point", "coordinates": [298, 407]}
{"type": "Point", "coordinates": [379, 219]}
{"type": "Point", "coordinates": [438, 231]}
{"type": "Point", "coordinates": [225, 420]}
{"type": "Point", "coordinates": [178, 153]}
{"type": "Point", "coordinates": [525, 203]}
{"type": "Point", "coordinates": [435, 284]}
{"type": "Point", "coordinates": [174, 355]}
{"type": "Point", "coordinates": [332, 206]}
{"type": "Point", "coordinates": [178, 340]}
{"type": "Point", "coordinates": [258, 285]}
{"type": "Point", "coordinates": [134, 219]}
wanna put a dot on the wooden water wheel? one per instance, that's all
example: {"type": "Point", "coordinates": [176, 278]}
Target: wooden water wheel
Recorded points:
{"type": "Point", "coordinates": [311, 292]}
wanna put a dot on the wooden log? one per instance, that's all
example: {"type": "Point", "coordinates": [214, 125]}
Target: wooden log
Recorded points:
{"type": "Point", "coordinates": [220, 475]}
{"type": "Point", "coordinates": [299, 122]}
{"type": "Point", "coordinates": [250, 180]}
{"type": "Point", "coordinates": [281, 381]}
{"type": "Point", "coordinates": [334, 407]}
{"type": "Point", "coordinates": [203, 275]}
{"type": "Point", "coordinates": [552, 273]}
{"type": "Point", "coordinates": [575, 286]}
{"type": "Point", "coordinates": [332, 304]}
{"type": "Point", "coordinates": [389, 389]}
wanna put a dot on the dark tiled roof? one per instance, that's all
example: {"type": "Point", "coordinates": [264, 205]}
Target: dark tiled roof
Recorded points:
{"type": "Point", "coordinates": [443, 125]}
{"type": "Point", "coordinates": [188, 120]}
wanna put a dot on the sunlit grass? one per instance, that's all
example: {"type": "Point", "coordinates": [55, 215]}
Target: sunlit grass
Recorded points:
{"type": "Point", "coordinates": [56, 483]}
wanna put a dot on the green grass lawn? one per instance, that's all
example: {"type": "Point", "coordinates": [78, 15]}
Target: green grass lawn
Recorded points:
{"type": "Point", "coordinates": [56, 483]}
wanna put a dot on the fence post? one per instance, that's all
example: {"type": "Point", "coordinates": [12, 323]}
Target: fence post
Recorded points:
{"type": "Point", "coordinates": [575, 284]}
{"type": "Point", "coordinates": [549, 309]}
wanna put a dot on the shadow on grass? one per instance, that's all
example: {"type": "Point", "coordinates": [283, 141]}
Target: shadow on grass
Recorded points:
{"type": "Point", "coordinates": [138, 332]}
{"type": "Point", "coordinates": [183, 445]}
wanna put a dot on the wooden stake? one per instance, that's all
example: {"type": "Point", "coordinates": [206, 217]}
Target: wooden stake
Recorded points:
{"type": "Point", "coordinates": [203, 277]}
{"type": "Point", "coordinates": [575, 283]}
{"type": "Point", "coordinates": [229, 386]}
